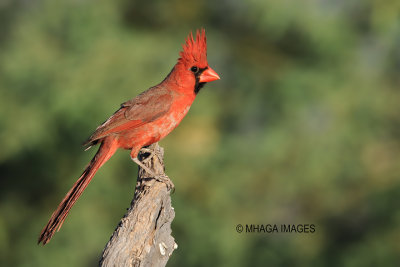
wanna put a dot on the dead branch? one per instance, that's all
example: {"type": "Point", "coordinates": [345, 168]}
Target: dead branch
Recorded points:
{"type": "Point", "coordinates": [143, 236]}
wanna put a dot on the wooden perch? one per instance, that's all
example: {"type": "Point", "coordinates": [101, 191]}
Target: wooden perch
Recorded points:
{"type": "Point", "coordinates": [143, 236]}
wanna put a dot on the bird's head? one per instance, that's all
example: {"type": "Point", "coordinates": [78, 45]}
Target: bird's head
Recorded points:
{"type": "Point", "coordinates": [192, 64]}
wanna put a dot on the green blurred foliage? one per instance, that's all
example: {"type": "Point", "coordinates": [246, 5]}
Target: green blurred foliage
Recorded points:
{"type": "Point", "coordinates": [303, 127]}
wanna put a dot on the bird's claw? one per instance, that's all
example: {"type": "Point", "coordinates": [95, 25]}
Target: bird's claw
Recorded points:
{"type": "Point", "coordinates": [165, 179]}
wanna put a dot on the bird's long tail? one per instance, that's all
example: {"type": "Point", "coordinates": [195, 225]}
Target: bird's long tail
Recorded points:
{"type": "Point", "coordinates": [106, 150]}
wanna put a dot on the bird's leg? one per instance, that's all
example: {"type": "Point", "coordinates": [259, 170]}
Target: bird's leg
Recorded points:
{"type": "Point", "coordinates": [144, 167]}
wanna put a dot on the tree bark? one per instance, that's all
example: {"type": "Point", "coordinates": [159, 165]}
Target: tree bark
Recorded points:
{"type": "Point", "coordinates": [143, 236]}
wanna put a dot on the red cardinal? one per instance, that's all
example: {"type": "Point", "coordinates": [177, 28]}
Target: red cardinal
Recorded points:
{"type": "Point", "coordinates": [143, 120]}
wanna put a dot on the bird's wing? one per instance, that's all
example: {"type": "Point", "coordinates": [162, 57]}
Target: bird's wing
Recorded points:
{"type": "Point", "coordinates": [146, 107]}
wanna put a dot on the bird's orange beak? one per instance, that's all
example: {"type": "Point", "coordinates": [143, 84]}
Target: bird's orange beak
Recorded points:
{"type": "Point", "coordinates": [208, 75]}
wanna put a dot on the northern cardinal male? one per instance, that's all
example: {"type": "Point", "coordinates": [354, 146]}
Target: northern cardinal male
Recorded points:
{"type": "Point", "coordinates": [143, 120]}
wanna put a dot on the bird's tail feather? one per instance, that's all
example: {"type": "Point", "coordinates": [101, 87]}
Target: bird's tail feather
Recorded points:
{"type": "Point", "coordinates": [106, 150]}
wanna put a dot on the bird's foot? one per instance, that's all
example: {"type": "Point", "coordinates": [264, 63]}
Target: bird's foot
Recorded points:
{"type": "Point", "coordinates": [165, 179]}
{"type": "Point", "coordinates": [159, 177]}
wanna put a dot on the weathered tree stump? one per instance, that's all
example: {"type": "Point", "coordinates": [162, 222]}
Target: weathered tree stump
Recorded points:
{"type": "Point", "coordinates": [143, 236]}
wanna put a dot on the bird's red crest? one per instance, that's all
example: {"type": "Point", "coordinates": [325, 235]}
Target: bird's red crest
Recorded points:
{"type": "Point", "coordinates": [194, 51]}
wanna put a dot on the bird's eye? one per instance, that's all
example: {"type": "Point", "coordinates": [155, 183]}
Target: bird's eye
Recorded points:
{"type": "Point", "coordinates": [194, 69]}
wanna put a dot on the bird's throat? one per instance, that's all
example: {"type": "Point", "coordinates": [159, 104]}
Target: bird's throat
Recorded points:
{"type": "Point", "coordinates": [198, 85]}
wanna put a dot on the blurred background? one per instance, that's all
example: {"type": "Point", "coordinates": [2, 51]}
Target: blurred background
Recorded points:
{"type": "Point", "coordinates": [302, 128]}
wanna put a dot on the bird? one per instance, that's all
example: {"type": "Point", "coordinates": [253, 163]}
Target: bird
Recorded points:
{"type": "Point", "coordinates": [143, 120]}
